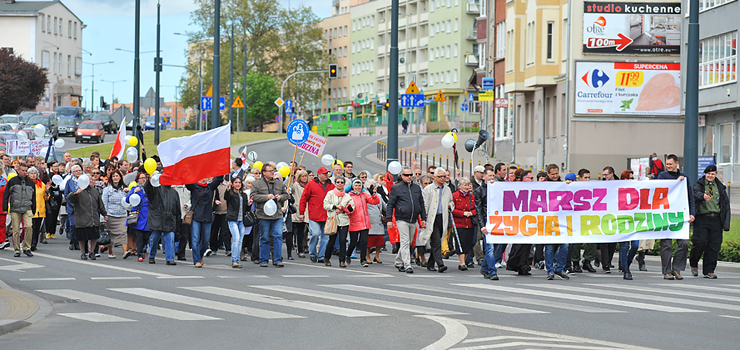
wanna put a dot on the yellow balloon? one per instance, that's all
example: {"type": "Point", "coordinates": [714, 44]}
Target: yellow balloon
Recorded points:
{"type": "Point", "coordinates": [257, 165]}
{"type": "Point", "coordinates": [12, 175]}
{"type": "Point", "coordinates": [454, 135]}
{"type": "Point", "coordinates": [150, 165]}
{"type": "Point", "coordinates": [132, 185]}
{"type": "Point", "coordinates": [284, 171]}
{"type": "Point", "coordinates": [339, 162]}
{"type": "Point", "coordinates": [133, 141]}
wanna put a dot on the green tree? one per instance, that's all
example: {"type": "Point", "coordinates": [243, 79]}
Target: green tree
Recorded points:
{"type": "Point", "coordinates": [22, 83]}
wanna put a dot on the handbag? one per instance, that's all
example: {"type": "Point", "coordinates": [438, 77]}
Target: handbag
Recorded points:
{"type": "Point", "coordinates": [249, 218]}
{"type": "Point", "coordinates": [188, 218]}
{"type": "Point", "coordinates": [330, 227]}
{"type": "Point", "coordinates": [132, 219]}
{"type": "Point", "coordinates": [104, 238]}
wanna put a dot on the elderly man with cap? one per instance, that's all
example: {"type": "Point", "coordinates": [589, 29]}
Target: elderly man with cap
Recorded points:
{"type": "Point", "coordinates": [313, 200]}
{"type": "Point", "coordinates": [712, 217]}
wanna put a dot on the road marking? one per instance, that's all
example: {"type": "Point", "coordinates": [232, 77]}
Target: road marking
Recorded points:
{"type": "Point", "coordinates": [505, 337]}
{"type": "Point", "coordinates": [579, 298]}
{"type": "Point", "coordinates": [533, 345]}
{"type": "Point", "coordinates": [96, 317]}
{"type": "Point", "coordinates": [115, 278]}
{"type": "Point", "coordinates": [436, 299]}
{"type": "Point", "coordinates": [204, 303]}
{"type": "Point", "coordinates": [672, 292]}
{"type": "Point", "coordinates": [47, 279]}
{"type": "Point", "coordinates": [112, 267]}
{"type": "Point", "coordinates": [127, 305]}
{"type": "Point", "coordinates": [306, 276]}
{"type": "Point", "coordinates": [179, 277]}
{"type": "Point", "coordinates": [565, 306]}
{"type": "Point", "coordinates": [244, 276]}
{"type": "Point", "coordinates": [728, 316]}
{"type": "Point", "coordinates": [704, 288]}
{"type": "Point", "coordinates": [358, 300]}
{"type": "Point", "coordinates": [298, 304]}
{"type": "Point", "coordinates": [375, 274]}
{"type": "Point", "coordinates": [18, 266]}
{"type": "Point", "coordinates": [455, 332]}
{"type": "Point", "coordinates": [633, 295]}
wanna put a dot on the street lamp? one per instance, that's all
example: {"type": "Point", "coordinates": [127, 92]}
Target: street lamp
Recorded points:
{"type": "Point", "coordinates": [129, 51]}
{"type": "Point", "coordinates": [113, 89]}
{"type": "Point", "coordinates": [92, 99]}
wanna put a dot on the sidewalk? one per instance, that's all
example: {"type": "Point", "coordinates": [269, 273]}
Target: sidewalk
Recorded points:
{"type": "Point", "coordinates": [19, 309]}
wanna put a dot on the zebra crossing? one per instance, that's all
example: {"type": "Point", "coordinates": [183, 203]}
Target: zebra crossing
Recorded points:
{"type": "Point", "coordinates": [286, 302]}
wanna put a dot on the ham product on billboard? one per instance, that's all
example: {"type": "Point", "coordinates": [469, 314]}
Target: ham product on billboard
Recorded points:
{"type": "Point", "coordinates": [628, 88]}
{"type": "Point", "coordinates": [632, 28]}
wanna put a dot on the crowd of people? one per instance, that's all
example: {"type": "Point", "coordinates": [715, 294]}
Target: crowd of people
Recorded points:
{"type": "Point", "coordinates": [249, 213]}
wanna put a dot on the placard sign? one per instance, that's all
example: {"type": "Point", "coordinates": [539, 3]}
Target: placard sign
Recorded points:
{"type": "Point", "coordinates": [314, 145]}
{"type": "Point", "coordinates": [26, 147]}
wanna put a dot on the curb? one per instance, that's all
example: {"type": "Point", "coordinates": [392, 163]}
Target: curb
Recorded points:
{"type": "Point", "coordinates": [43, 309]}
{"type": "Point", "coordinates": [252, 143]}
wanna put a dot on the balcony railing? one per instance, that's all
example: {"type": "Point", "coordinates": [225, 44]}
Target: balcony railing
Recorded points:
{"type": "Point", "coordinates": [472, 34]}
{"type": "Point", "coordinates": [471, 59]}
{"type": "Point", "coordinates": [473, 9]}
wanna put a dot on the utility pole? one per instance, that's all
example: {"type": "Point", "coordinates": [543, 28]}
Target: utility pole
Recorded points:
{"type": "Point", "coordinates": [216, 112]}
{"type": "Point", "coordinates": [231, 83]}
{"type": "Point", "coordinates": [393, 88]}
{"type": "Point", "coordinates": [137, 112]}
{"type": "Point", "coordinates": [157, 70]}
{"type": "Point", "coordinates": [244, 85]}
{"type": "Point", "coordinates": [691, 124]}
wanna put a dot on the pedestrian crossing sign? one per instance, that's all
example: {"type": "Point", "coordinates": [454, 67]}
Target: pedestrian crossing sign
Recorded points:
{"type": "Point", "coordinates": [412, 89]}
{"type": "Point", "coordinates": [440, 97]}
{"type": "Point", "coordinates": [210, 91]}
{"type": "Point", "coordinates": [237, 103]}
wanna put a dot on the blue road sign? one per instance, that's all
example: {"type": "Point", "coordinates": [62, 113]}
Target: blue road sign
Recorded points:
{"type": "Point", "coordinates": [412, 100]}
{"type": "Point", "coordinates": [222, 103]}
{"type": "Point", "coordinates": [203, 116]}
{"type": "Point", "coordinates": [464, 107]}
{"type": "Point", "coordinates": [206, 103]}
{"type": "Point", "coordinates": [297, 132]}
{"type": "Point", "coordinates": [289, 106]}
{"type": "Point", "coordinates": [277, 119]}
{"type": "Point", "coordinates": [487, 84]}
{"type": "Point", "coordinates": [470, 98]}
{"type": "Point", "coordinates": [293, 116]}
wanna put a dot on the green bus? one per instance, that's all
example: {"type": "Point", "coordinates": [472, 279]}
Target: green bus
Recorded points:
{"type": "Point", "coordinates": [331, 124]}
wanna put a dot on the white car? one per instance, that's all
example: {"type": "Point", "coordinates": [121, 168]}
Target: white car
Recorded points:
{"type": "Point", "coordinates": [13, 120]}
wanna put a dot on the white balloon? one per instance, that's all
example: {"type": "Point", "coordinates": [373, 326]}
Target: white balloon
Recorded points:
{"type": "Point", "coordinates": [270, 208]}
{"type": "Point", "coordinates": [132, 155]}
{"type": "Point", "coordinates": [39, 130]}
{"type": "Point", "coordinates": [22, 135]}
{"type": "Point", "coordinates": [395, 167]}
{"type": "Point", "coordinates": [83, 181]}
{"type": "Point", "coordinates": [128, 178]}
{"type": "Point", "coordinates": [280, 165]}
{"type": "Point", "coordinates": [127, 138]}
{"type": "Point", "coordinates": [43, 152]}
{"type": "Point", "coordinates": [57, 180]}
{"type": "Point", "coordinates": [155, 179]}
{"type": "Point", "coordinates": [448, 141]}
{"type": "Point", "coordinates": [125, 204]}
{"type": "Point", "coordinates": [59, 143]}
{"type": "Point", "coordinates": [327, 159]}
{"type": "Point", "coordinates": [252, 155]}
{"type": "Point", "coordinates": [135, 199]}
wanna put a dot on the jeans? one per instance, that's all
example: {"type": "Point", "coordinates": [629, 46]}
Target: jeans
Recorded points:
{"type": "Point", "coordinates": [274, 229]}
{"type": "Point", "coordinates": [237, 235]}
{"type": "Point", "coordinates": [498, 252]}
{"type": "Point", "coordinates": [489, 261]}
{"type": "Point", "coordinates": [558, 258]}
{"type": "Point", "coordinates": [627, 252]}
{"type": "Point", "coordinates": [169, 244]}
{"type": "Point", "coordinates": [201, 233]}
{"type": "Point", "coordinates": [316, 235]}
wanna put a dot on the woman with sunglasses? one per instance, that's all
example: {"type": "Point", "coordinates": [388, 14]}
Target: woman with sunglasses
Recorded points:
{"type": "Point", "coordinates": [142, 209]}
{"type": "Point", "coordinates": [338, 204]}
{"type": "Point", "coordinates": [359, 219]}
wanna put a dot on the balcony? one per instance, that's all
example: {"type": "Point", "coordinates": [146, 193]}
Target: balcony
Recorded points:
{"type": "Point", "coordinates": [472, 34]}
{"type": "Point", "coordinates": [383, 26]}
{"type": "Point", "coordinates": [424, 17]}
{"type": "Point", "coordinates": [471, 60]}
{"type": "Point", "coordinates": [473, 9]}
{"type": "Point", "coordinates": [382, 50]}
{"type": "Point", "coordinates": [424, 41]}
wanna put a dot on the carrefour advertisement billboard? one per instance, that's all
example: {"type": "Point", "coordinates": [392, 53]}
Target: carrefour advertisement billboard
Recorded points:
{"type": "Point", "coordinates": [628, 88]}
{"type": "Point", "coordinates": [632, 27]}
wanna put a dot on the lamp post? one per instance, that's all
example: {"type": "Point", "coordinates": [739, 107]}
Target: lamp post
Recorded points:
{"type": "Point", "coordinates": [216, 121]}
{"type": "Point", "coordinates": [157, 70]}
{"type": "Point", "coordinates": [92, 107]}
{"type": "Point", "coordinates": [113, 90]}
{"type": "Point", "coordinates": [393, 88]}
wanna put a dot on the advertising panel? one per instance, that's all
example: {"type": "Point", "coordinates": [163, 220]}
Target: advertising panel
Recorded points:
{"type": "Point", "coordinates": [632, 28]}
{"type": "Point", "coordinates": [628, 88]}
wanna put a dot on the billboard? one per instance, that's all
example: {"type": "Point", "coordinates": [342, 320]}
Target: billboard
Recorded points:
{"type": "Point", "coordinates": [632, 28]}
{"type": "Point", "coordinates": [628, 88]}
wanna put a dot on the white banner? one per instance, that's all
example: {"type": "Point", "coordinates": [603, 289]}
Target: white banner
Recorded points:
{"type": "Point", "coordinates": [26, 147]}
{"type": "Point", "coordinates": [586, 212]}
{"type": "Point", "coordinates": [314, 145]}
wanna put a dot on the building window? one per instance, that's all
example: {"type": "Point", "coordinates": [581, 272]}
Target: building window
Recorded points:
{"type": "Point", "coordinates": [346, 31]}
{"type": "Point", "coordinates": [78, 66]}
{"type": "Point", "coordinates": [54, 68]}
{"type": "Point", "coordinates": [69, 29]}
{"type": "Point", "coordinates": [449, 26]}
{"type": "Point", "coordinates": [43, 23]}
{"type": "Point", "coordinates": [707, 4]}
{"type": "Point", "coordinates": [501, 40]}
{"type": "Point", "coordinates": [55, 26]}
{"type": "Point", "coordinates": [431, 6]}
{"type": "Point", "coordinates": [45, 59]}
{"type": "Point", "coordinates": [454, 76]}
{"type": "Point", "coordinates": [718, 60]}
{"type": "Point", "coordinates": [48, 24]}
{"type": "Point", "coordinates": [454, 51]}
{"type": "Point", "coordinates": [725, 143]}
{"type": "Point", "coordinates": [69, 65]}
{"type": "Point", "coordinates": [447, 51]}
{"type": "Point", "coordinates": [60, 26]}
{"type": "Point", "coordinates": [456, 24]}
{"type": "Point", "coordinates": [550, 26]}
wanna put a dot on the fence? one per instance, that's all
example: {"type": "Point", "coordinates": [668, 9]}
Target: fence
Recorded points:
{"type": "Point", "coordinates": [423, 160]}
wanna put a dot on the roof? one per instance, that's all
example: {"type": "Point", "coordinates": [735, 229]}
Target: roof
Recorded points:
{"type": "Point", "coordinates": [24, 6]}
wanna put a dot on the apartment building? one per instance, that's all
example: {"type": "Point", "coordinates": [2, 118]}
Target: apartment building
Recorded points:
{"type": "Point", "coordinates": [49, 34]}
{"type": "Point", "coordinates": [612, 67]}
{"type": "Point", "coordinates": [364, 97]}
{"type": "Point", "coordinates": [337, 44]}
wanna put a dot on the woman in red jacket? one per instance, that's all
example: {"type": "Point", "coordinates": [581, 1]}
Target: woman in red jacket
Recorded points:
{"type": "Point", "coordinates": [359, 220]}
{"type": "Point", "coordinates": [464, 214]}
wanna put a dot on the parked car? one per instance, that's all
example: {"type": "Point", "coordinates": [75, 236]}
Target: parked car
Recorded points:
{"type": "Point", "coordinates": [67, 126]}
{"type": "Point", "coordinates": [5, 127]}
{"type": "Point", "coordinates": [52, 128]}
{"type": "Point", "coordinates": [87, 116]}
{"type": "Point", "coordinates": [6, 136]}
{"type": "Point", "coordinates": [104, 118]}
{"type": "Point", "coordinates": [73, 112]}
{"type": "Point", "coordinates": [89, 131]}
{"type": "Point", "coordinates": [13, 119]}
{"type": "Point", "coordinates": [149, 125]}
{"type": "Point", "coordinates": [27, 114]}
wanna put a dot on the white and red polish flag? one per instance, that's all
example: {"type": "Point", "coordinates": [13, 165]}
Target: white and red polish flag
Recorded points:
{"type": "Point", "coordinates": [187, 160]}
{"type": "Point", "coordinates": [120, 144]}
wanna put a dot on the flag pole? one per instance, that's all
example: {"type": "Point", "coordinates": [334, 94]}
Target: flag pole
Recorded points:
{"type": "Point", "coordinates": [290, 176]}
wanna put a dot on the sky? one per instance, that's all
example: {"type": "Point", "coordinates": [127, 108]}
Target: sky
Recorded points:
{"type": "Point", "coordinates": [110, 25]}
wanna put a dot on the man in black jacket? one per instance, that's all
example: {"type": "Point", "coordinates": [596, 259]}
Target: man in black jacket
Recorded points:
{"type": "Point", "coordinates": [201, 199]}
{"type": "Point", "coordinates": [488, 267]}
{"type": "Point", "coordinates": [712, 217]}
{"type": "Point", "coordinates": [20, 194]}
{"type": "Point", "coordinates": [164, 208]}
{"type": "Point", "coordinates": [407, 202]}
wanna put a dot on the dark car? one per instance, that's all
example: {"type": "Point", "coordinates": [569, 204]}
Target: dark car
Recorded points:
{"type": "Point", "coordinates": [49, 122]}
{"type": "Point", "coordinates": [104, 118]}
{"type": "Point", "coordinates": [67, 125]}
{"type": "Point", "coordinates": [149, 125]}
{"type": "Point", "coordinates": [90, 131]}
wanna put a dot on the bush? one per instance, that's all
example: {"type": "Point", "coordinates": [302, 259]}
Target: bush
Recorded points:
{"type": "Point", "coordinates": [730, 250]}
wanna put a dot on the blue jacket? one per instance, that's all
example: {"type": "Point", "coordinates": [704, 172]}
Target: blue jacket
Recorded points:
{"type": "Point", "coordinates": [142, 208]}
{"type": "Point", "coordinates": [668, 176]}
{"type": "Point", "coordinates": [69, 188]}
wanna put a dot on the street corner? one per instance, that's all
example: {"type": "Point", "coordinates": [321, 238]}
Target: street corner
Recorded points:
{"type": "Point", "coordinates": [19, 310]}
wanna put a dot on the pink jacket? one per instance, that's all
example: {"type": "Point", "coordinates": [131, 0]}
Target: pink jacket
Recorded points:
{"type": "Point", "coordinates": [359, 219]}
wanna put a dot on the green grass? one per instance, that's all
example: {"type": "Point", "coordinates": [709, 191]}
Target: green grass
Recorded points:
{"type": "Point", "coordinates": [734, 232]}
{"type": "Point", "coordinates": [151, 150]}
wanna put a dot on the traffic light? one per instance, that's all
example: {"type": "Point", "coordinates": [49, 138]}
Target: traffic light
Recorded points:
{"type": "Point", "coordinates": [332, 71]}
{"type": "Point", "coordinates": [387, 105]}
{"type": "Point", "coordinates": [157, 64]}
{"type": "Point", "coordinates": [103, 105]}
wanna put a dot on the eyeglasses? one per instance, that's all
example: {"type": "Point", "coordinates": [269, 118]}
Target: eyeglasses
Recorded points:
{"type": "Point", "coordinates": [418, 174]}
{"type": "Point", "coordinates": [407, 174]}
{"type": "Point", "coordinates": [96, 173]}
{"type": "Point", "coordinates": [269, 171]}
{"type": "Point", "coordinates": [339, 183]}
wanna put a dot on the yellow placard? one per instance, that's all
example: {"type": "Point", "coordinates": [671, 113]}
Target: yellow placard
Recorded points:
{"type": "Point", "coordinates": [486, 96]}
{"type": "Point", "coordinates": [629, 78]}
{"type": "Point", "coordinates": [210, 91]}
{"type": "Point", "coordinates": [412, 89]}
{"type": "Point", "coordinates": [237, 103]}
{"type": "Point", "coordinates": [74, 103]}
{"type": "Point", "coordinates": [440, 97]}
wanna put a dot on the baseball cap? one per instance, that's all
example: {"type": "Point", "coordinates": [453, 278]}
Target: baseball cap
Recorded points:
{"type": "Point", "coordinates": [479, 169]}
{"type": "Point", "coordinates": [571, 177]}
{"type": "Point", "coordinates": [322, 170]}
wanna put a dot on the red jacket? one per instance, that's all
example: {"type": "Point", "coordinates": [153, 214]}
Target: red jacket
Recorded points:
{"type": "Point", "coordinates": [359, 219]}
{"type": "Point", "coordinates": [313, 198]}
{"type": "Point", "coordinates": [463, 203]}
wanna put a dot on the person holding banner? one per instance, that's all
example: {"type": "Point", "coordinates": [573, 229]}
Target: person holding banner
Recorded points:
{"type": "Point", "coordinates": [673, 264]}
{"type": "Point", "coordinates": [589, 249]}
{"type": "Point", "coordinates": [518, 258]}
{"type": "Point", "coordinates": [712, 217]}
{"type": "Point", "coordinates": [488, 267]}
{"type": "Point", "coordinates": [438, 200]}
{"type": "Point", "coordinates": [407, 203]}
{"type": "Point", "coordinates": [555, 253]}
{"type": "Point", "coordinates": [627, 249]}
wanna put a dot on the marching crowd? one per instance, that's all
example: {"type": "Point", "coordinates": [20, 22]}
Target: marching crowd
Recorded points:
{"type": "Point", "coordinates": [426, 216]}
